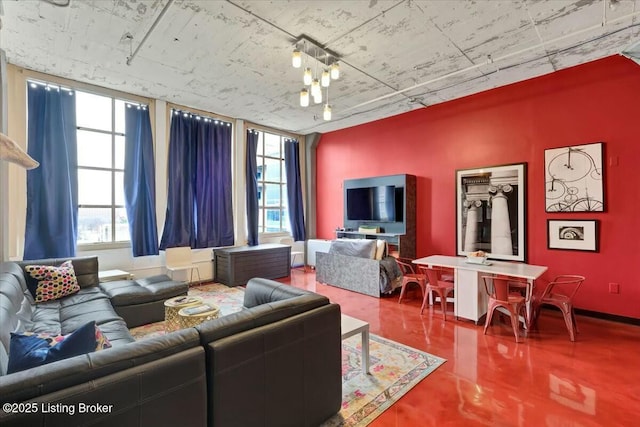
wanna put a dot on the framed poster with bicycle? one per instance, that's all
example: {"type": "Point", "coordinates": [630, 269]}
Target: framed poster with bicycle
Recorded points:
{"type": "Point", "coordinates": [574, 178]}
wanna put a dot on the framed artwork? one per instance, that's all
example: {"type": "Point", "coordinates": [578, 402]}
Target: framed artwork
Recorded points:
{"type": "Point", "coordinates": [490, 211]}
{"type": "Point", "coordinates": [574, 178]}
{"type": "Point", "coordinates": [575, 235]}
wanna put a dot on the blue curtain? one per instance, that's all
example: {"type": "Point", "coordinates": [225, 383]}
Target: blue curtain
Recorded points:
{"type": "Point", "coordinates": [294, 188]}
{"type": "Point", "coordinates": [252, 188]}
{"type": "Point", "coordinates": [52, 188]}
{"type": "Point", "coordinates": [139, 182]}
{"type": "Point", "coordinates": [179, 224]}
{"type": "Point", "coordinates": [214, 210]}
{"type": "Point", "coordinates": [199, 199]}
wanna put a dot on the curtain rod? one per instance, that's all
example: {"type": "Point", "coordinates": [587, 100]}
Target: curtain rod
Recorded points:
{"type": "Point", "coordinates": [177, 111]}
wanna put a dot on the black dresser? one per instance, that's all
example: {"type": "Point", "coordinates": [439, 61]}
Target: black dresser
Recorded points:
{"type": "Point", "coordinates": [235, 266]}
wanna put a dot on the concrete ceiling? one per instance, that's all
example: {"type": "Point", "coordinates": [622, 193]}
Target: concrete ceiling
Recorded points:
{"type": "Point", "coordinates": [234, 57]}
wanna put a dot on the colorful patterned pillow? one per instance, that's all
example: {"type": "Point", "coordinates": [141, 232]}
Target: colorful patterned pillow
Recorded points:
{"type": "Point", "coordinates": [47, 282]}
{"type": "Point", "coordinates": [52, 339]}
{"type": "Point", "coordinates": [29, 351]}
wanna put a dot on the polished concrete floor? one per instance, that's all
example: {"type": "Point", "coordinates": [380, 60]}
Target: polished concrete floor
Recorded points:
{"type": "Point", "coordinates": [489, 380]}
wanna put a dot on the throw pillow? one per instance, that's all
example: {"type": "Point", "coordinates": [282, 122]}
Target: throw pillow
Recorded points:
{"type": "Point", "coordinates": [52, 339]}
{"type": "Point", "coordinates": [30, 351]}
{"type": "Point", "coordinates": [381, 249]}
{"type": "Point", "coordinates": [48, 282]}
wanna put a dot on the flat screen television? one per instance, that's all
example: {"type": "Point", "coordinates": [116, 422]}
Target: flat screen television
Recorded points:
{"type": "Point", "coordinates": [377, 204]}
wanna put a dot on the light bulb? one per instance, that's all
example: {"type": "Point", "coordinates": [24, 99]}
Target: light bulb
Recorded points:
{"type": "Point", "coordinates": [325, 80]}
{"type": "Point", "coordinates": [317, 98]}
{"type": "Point", "coordinates": [315, 87]}
{"type": "Point", "coordinates": [304, 98]}
{"type": "Point", "coordinates": [326, 114]}
{"type": "Point", "coordinates": [296, 58]}
{"type": "Point", "coordinates": [306, 79]}
{"type": "Point", "coordinates": [335, 71]}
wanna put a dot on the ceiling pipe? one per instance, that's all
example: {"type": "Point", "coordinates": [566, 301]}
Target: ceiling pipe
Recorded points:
{"type": "Point", "coordinates": [153, 26]}
{"type": "Point", "coordinates": [500, 58]}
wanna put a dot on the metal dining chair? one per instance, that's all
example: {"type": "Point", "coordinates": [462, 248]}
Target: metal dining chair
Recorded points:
{"type": "Point", "coordinates": [501, 294]}
{"type": "Point", "coordinates": [559, 293]}
{"type": "Point", "coordinates": [438, 285]}
{"type": "Point", "coordinates": [409, 275]}
{"type": "Point", "coordinates": [521, 286]}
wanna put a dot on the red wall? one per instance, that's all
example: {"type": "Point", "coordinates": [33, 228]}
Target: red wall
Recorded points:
{"type": "Point", "coordinates": [598, 101]}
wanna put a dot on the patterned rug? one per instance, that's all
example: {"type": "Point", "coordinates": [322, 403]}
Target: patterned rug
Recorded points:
{"type": "Point", "coordinates": [395, 368]}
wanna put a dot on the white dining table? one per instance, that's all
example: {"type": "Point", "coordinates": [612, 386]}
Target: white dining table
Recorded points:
{"type": "Point", "coordinates": [470, 297]}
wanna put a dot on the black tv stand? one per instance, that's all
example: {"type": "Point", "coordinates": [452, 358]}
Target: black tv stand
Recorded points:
{"type": "Point", "coordinates": [401, 233]}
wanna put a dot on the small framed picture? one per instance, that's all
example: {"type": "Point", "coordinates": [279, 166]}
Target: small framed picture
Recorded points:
{"type": "Point", "coordinates": [575, 235]}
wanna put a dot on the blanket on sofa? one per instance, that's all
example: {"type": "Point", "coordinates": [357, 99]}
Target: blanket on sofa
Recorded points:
{"type": "Point", "coordinates": [390, 275]}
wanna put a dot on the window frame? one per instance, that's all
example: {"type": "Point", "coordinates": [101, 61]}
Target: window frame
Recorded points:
{"type": "Point", "coordinates": [263, 207]}
{"type": "Point", "coordinates": [113, 170]}
{"type": "Point", "coordinates": [64, 84]}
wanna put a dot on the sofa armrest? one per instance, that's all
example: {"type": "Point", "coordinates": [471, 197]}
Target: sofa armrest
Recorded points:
{"type": "Point", "coordinates": [34, 382]}
{"type": "Point", "coordinates": [260, 315]}
{"type": "Point", "coordinates": [362, 248]}
{"type": "Point", "coordinates": [261, 291]}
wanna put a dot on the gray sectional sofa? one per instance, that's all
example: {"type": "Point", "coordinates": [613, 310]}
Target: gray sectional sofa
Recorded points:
{"type": "Point", "coordinates": [275, 363]}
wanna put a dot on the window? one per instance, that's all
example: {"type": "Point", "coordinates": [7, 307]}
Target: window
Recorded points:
{"type": "Point", "coordinates": [100, 132]}
{"type": "Point", "coordinates": [102, 217]}
{"type": "Point", "coordinates": [273, 215]}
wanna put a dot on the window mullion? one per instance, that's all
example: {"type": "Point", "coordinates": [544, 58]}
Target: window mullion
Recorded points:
{"type": "Point", "coordinates": [280, 207]}
{"type": "Point", "coordinates": [263, 203]}
{"type": "Point", "coordinates": [113, 170]}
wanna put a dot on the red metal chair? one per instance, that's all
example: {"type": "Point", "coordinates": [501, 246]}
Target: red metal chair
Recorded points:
{"type": "Point", "coordinates": [501, 295]}
{"type": "Point", "coordinates": [409, 275]}
{"type": "Point", "coordinates": [437, 285]}
{"type": "Point", "coordinates": [559, 293]}
{"type": "Point", "coordinates": [520, 286]}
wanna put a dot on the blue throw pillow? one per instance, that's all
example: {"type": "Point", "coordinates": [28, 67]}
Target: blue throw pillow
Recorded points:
{"type": "Point", "coordinates": [29, 351]}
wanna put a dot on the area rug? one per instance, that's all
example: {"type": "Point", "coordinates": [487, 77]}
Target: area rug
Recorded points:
{"type": "Point", "coordinates": [395, 368]}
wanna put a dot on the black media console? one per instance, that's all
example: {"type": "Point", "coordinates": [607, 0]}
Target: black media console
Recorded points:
{"type": "Point", "coordinates": [392, 209]}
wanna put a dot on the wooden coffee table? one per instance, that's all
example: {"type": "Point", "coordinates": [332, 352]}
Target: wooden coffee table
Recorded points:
{"type": "Point", "coordinates": [350, 326]}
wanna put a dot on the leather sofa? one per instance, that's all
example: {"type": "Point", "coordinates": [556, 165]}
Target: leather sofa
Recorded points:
{"type": "Point", "coordinates": [275, 363]}
{"type": "Point", "coordinates": [149, 382]}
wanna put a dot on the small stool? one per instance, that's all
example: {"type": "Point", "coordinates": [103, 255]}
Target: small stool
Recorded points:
{"type": "Point", "coordinates": [190, 320]}
{"type": "Point", "coordinates": [141, 301]}
{"type": "Point", "coordinates": [173, 306]}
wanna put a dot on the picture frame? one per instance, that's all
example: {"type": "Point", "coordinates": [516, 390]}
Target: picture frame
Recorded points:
{"type": "Point", "coordinates": [573, 235]}
{"type": "Point", "coordinates": [574, 178]}
{"type": "Point", "coordinates": [491, 211]}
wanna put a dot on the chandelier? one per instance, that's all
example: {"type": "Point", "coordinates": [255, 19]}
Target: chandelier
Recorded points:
{"type": "Point", "coordinates": [320, 66]}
